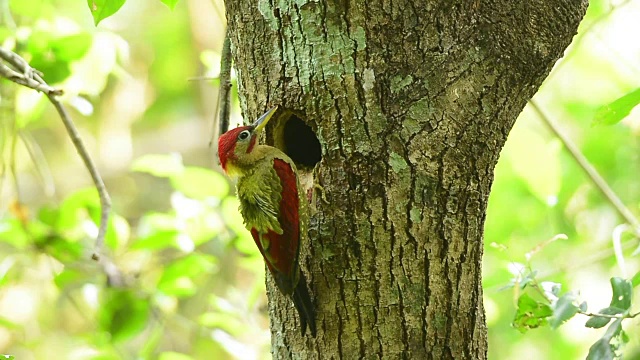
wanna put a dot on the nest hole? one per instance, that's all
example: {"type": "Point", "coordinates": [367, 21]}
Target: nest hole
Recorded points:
{"type": "Point", "coordinates": [299, 142]}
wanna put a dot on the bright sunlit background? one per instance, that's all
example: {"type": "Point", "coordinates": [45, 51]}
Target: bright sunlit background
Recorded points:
{"type": "Point", "coordinates": [140, 88]}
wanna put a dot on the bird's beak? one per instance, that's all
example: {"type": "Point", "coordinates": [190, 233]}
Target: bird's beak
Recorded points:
{"type": "Point", "coordinates": [263, 120]}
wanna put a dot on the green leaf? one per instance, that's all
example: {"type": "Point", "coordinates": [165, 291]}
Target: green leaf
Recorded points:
{"type": "Point", "coordinates": [522, 281]}
{"type": "Point", "coordinates": [160, 165]}
{"type": "Point", "coordinates": [48, 215]}
{"type": "Point", "coordinates": [226, 321]}
{"type": "Point", "coordinates": [636, 279]}
{"type": "Point", "coordinates": [583, 306]}
{"type": "Point", "coordinates": [171, 355]}
{"type": "Point", "coordinates": [530, 314]}
{"type": "Point", "coordinates": [170, 3]}
{"type": "Point", "coordinates": [602, 349]}
{"type": "Point", "coordinates": [38, 44]}
{"type": "Point", "coordinates": [74, 208]}
{"type": "Point", "coordinates": [622, 293]}
{"type": "Point", "coordinates": [118, 232]}
{"type": "Point", "coordinates": [63, 249]}
{"type": "Point", "coordinates": [530, 277]}
{"type": "Point", "coordinates": [156, 241]}
{"type": "Point", "coordinates": [177, 278]}
{"type": "Point", "coordinates": [157, 231]}
{"type": "Point", "coordinates": [8, 324]}
{"type": "Point", "coordinates": [12, 232]}
{"type": "Point", "coordinates": [614, 112]}
{"type": "Point", "coordinates": [551, 289]}
{"type": "Point", "coordinates": [102, 9]}
{"type": "Point", "coordinates": [72, 47]}
{"type": "Point", "coordinates": [624, 337]}
{"type": "Point", "coordinates": [564, 309]}
{"type": "Point", "coordinates": [123, 314]}
{"type": "Point", "coordinates": [67, 277]}
{"type": "Point", "coordinates": [200, 183]}
{"type": "Point", "coordinates": [8, 270]}
{"type": "Point", "coordinates": [597, 322]}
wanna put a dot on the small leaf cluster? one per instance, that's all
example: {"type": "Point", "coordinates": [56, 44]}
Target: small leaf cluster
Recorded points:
{"type": "Point", "coordinates": [543, 304]}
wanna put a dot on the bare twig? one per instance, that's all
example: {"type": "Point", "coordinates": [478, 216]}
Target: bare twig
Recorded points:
{"type": "Point", "coordinates": [225, 84]}
{"type": "Point", "coordinates": [591, 172]}
{"type": "Point", "coordinates": [29, 82]}
{"type": "Point", "coordinates": [224, 92]}
{"type": "Point", "coordinates": [105, 200]}
{"type": "Point", "coordinates": [33, 79]}
{"type": "Point", "coordinates": [619, 316]}
{"type": "Point", "coordinates": [19, 63]}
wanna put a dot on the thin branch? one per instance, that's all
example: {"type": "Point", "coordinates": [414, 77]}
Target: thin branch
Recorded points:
{"type": "Point", "coordinates": [619, 316]}
{"type": "Point", "coordinates": [19, 63]}
{"type": "Point", "coordinates": [105, 200]}
{"type": "Point", "coordinates": [225, 84]}
{"type": "Point", "coordinates": [33, 79]}
{"type": "Point", "coordinates": [223, 108]}
{"type": "Point", "coordinates": [29, 82]}
{"type": "Point", "coordinates": [591, 172]}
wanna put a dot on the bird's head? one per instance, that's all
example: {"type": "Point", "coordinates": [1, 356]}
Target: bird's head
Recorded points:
{"type": "Point", "coordinates": [235, 146]}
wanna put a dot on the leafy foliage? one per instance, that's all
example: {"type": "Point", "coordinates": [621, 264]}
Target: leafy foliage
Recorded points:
{"type": "Point", "coordinates": [554, 311]}
{"type": "Point", "coordinates": [531, 313]}
{"type": "Point", "coordinates": [124, 314]}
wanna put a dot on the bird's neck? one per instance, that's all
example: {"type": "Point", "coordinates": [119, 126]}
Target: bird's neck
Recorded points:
{"type": "Point", "coordinates": [244, 164]}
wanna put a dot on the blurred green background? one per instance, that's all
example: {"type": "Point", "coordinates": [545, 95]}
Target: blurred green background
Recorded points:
{"type": "Point", "coordinates": [140, 91]}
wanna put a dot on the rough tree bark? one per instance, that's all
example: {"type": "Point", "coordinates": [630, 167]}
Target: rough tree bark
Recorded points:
{"type": "Point", "coordinates": [412, 101]}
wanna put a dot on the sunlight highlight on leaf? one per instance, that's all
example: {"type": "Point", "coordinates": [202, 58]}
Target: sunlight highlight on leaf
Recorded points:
{"type": "Point", "coordinates": [170, 3]}
{"type": "Point", "coordinates": [102, 9]}
{"type": "Point", "coordinates": [616, 111]}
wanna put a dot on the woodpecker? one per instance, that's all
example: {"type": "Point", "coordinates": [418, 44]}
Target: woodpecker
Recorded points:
{"type": "Point", "coordinates": [273, 207]}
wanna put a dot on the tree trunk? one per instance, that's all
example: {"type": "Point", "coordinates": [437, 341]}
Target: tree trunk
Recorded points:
{"type": "Point", "coordinates": [412, 102]}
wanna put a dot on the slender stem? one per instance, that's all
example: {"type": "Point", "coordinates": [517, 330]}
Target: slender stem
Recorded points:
{"type": "Point", "coordinates": [225, 84]}
{"type": "Point", "coordinates": [224, 92]}
{"type": "Point", "coordinates": [105, 200]}
{"type": "Point", "coordinates": [29, 82]}
{"type": "Point", "coordinates": [603, 315]}
{"type": "Point", "coordinates": [591, 172]}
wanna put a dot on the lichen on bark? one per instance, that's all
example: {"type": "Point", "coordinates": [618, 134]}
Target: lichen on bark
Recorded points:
{"type": "Point", "coordinates": [412, 102]}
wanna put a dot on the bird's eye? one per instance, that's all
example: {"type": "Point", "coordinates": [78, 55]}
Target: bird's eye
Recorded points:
{"type": "Point", "coordinates": [244, 135]}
